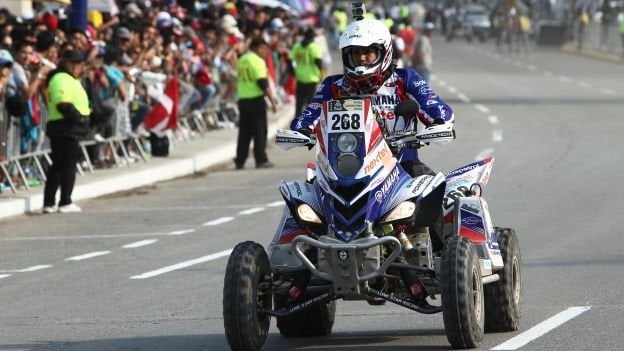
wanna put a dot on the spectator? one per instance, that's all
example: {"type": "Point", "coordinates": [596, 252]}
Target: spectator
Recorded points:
{"type": "Point", "coordinates": [253, 86]}
{"type": "Point", "coordinates": [69, 110]}
{"type": "Point", "coordinates": [422, 60]}
{"type": "Point", "coordinates": [306, 56]}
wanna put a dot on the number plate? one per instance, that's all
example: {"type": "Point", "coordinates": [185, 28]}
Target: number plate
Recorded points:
{"type": "Point", "coordinates": [345, 116]}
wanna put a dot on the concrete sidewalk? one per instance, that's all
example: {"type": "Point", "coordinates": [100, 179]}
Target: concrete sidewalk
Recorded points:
{"type": "Point", "coordinates": [214, 148]}
{"type": "Point", "coordinates": [571, 48]}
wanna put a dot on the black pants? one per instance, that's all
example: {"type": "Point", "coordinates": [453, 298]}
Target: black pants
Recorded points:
{"type": "Point", "coordinates": [305, 93]}
{"type": "Point", "coordinates": [252, 125]}
{"type": "Point", "coordinates": [65, 154]}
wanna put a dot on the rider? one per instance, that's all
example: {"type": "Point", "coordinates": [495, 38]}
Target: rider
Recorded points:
{"type": "Point", "coordinates": [366, 47]}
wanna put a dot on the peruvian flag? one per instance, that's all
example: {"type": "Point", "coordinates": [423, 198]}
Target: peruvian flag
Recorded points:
{"type": "Point", "coordinates": [164, 115]}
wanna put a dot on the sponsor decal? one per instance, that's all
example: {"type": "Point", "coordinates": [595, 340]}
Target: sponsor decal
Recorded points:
{"type": "Point", "coordinates": [319, 96]}
{"type": "Point", "coordinates": [385, 188]}
{"type": "Point", "coordinates": [320, 88]}
{"type": "Point", "coordinates": [472, 222]}
{"type": "Point", "coordinates": [282, 139]}
{"type": "Point", "coordinates": [382, 157]}
{"type": "Point", "coordinates": [298, 189]}
{"type": "Point", "coordinates": [431, 102]}
{"type": "Point", "coordinates": [284, 190]}
{"type": "Point", "coordinates": [424, 90]}
{"type": "Point", "coordinates": [463, 170]}
{"type": "Point", "coordinates": [386, 99]}
{"type": "Point", "coordinates": [442, 111]}
{"type": "Point", "coordinates": [335, 105]}
{"type": "Point", "coordinates": [420, 183]}
{"type": "Point", "coordinates": [471, 208]}
{"type": "Point", "coordinates": [343, 255]}
{"type": "Point", "coordinates": [314, 106]}
{"type": "Point", "coordinates": [420, 83]}
{"type": "Point", "coordinates": [436, 135]}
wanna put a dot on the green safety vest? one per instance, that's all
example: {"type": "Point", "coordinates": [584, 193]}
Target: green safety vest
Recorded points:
{"type": "Point", "coordinates": [250, 67]}
{"type": "Point", "coordinates": [389, 22]}
{"type": "Point", "coordinates": [63, 87]}
{"type": "Point", "coordinates": [341, 18]}
{"type": "Point", "coordinates": [306, 70]}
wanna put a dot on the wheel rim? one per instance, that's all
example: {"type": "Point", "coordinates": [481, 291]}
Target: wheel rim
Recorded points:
{"type": "Point", "coordinates": [476, 293]}
{"type": "Point", "coordinates": [515, 280]}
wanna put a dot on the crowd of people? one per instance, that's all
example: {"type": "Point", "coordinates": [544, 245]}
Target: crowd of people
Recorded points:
{"type": "Point", "coordinates": [130, 53]}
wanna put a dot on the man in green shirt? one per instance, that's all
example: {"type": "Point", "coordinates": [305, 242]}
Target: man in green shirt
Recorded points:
{"type": "Point", "coordinates": [306, 57]}
{"type": "Point", "coordinates": [68, 122]}
{"type": "Point", "coordinates": [252, 87]}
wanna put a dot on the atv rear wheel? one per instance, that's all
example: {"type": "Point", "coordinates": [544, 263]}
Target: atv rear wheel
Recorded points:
{"type": "Point", "coordinates": [462, 293]}
{"type": "Point", "coordinates": [247, 291]}
{"type": "Point", "coordinates": [316, 320]}
{"type": "Point", "coordinates": [503, 299]}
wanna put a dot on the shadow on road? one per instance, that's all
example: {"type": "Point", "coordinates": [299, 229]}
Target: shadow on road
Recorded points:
{"type": "Point", "coordinates": [386, 340]}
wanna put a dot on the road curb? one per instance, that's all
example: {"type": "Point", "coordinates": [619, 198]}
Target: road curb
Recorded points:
{"type": "Point", "coordinates": [170, 169]}
{"type": "Point", "coordinates": [571, 49]}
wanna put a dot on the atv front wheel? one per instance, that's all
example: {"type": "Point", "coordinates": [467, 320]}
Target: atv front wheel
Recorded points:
{"type": "Point", "coordinates": [316, 320]}
{"type": "Point", "coordinates": [503, 299]}
{"type": "Point", "coordinates": [247, 291]}
{"type": "Point", "coordinates": [462, 293]}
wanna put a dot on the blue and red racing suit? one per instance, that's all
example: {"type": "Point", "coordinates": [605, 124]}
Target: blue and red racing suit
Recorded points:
{"type": "Point", "coordinates": [403, 84]}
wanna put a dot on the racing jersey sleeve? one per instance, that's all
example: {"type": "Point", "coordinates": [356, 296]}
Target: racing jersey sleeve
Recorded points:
{"type": "Point", "coordinates": [433, 109]}
{"type": "Point", "coordinates": [312, 112]}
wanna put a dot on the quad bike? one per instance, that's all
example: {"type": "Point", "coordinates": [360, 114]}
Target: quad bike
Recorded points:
{"type": "Point", "coordinates": [360, 227]}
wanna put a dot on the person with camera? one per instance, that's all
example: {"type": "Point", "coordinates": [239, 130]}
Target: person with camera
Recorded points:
{"type": "Point", "coordinates": [68, 122]}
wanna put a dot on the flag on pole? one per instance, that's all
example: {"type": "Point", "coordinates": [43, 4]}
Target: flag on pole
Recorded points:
{"type": "Point", "coordinates": [164, 115]}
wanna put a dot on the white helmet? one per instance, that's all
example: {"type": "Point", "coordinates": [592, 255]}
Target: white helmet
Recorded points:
{"type": "Point", "coordinates": [368, 33]}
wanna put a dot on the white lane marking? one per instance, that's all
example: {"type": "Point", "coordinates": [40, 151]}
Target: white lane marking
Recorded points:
{"type": "Point", "coordinates": [442, 83]}
{"type": "Point", "coordinates": [35, 268]}
{"type": "Point", "coordinates": [482, 108]}
{"type": "Point", "coordinates": [182, 232]}
{"type": "Point", "coordinates": [4, 276]}
{"type": "Point", "coordinates": [463, 97]}
{"type": "Point", "coordinates": [532, 68]}
{"type": "Point", "coordinates": [101, 236]}
{"type": "Point", "coordinates": [551, 323]}
{"type": "Point", "coordinates": [585, 85]}
{"type": "Point", "coordinates": [452, 89]}
{"type": "Point", "coordinates": [565, 79]}
{"type": "Point", "coordinates": [275, 204]}
{"type": "Point", "coordinates": [497, 136]}
{"type": "Point", "coordinates": [548, 73]}
{"type": "Point", "coordinates": [493, 119]}
{"type": "Point", "coordinates": [252, 211]}
{"type": "Point", "coordinates": [87, 256]}
{"type": "Point", "coordinates": [434, 77]}
{"type": "Point", "coordinates": [607, 91]}
{"type": "Point", "coordinates": [484, 154]}
{"type": "Point", "coordinates": [183, 265]}
{"type": "Point", "coordinates": [140, 243]}
{"type": "Point", "coordinates": [219, 221]}
{"type": "Point", "coordinates": [29, 269]}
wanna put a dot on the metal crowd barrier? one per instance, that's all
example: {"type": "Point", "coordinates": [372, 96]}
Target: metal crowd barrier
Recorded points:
{"type": "Point", "coordinates": [23, 165]}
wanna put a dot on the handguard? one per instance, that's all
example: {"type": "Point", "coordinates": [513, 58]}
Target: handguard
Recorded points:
{"type": "Point", "coordinates": [438, 134]}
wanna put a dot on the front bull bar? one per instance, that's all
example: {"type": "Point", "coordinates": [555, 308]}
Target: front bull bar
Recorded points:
{"type": "Point", "coordinates": [350, 249]}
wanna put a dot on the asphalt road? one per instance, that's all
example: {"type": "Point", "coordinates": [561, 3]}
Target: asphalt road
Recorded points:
{"type": "Point", "coordinates": [144, 270]}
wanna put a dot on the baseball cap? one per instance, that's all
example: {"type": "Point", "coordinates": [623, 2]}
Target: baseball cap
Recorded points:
{"type": "Point", "coordinates": [5, 58]}
{"type": "Point", "coordinates": [73, 56]}
{"type": "Point", "coordinates": [123, 33]}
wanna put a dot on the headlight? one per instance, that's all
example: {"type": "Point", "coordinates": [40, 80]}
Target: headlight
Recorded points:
{"type": "Point", "coordinates": [307, 214]}
{"type": "Point", "coordinates": [404, 210]}
{"type": "Point", "coordinates": [346, 142]}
